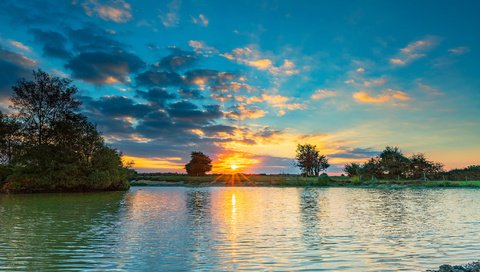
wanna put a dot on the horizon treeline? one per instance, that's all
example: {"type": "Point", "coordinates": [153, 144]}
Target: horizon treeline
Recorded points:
{"type": "Point", "coordinates": [46, 145]}
{"type": "Point", "coordinates": [392, 164]}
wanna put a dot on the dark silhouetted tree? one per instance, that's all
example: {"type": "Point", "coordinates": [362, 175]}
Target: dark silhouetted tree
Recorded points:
{"type": "Point", "coordinates": [420, 167]}
{"type": "Point", "coordinates": [199, 164]}
{"type": "Point", "coordinates": [353, 169]}
{"type": "Point", "coordinates": [55, 148]}
{"type": "Point", "coordinates": [309, 160]}
{"type": "Point", "coordinates": [393, 163]}
{"type": "Point", "coordinates": [9, 138]}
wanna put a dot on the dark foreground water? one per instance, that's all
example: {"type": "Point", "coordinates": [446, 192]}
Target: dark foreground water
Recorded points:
{"type": "Point", "coordinates": [241, 228]}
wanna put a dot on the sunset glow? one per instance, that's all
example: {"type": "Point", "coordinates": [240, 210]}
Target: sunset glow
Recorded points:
{"type": "Point", "coordinates": [161, 79]}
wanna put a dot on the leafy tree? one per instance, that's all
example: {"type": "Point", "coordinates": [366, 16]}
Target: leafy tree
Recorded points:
{"type": "Point", "coordinates": [199, 164]}
{"type": "Point", "coordinates": [57, 149]}
{"type": "Point", "coordinates": [420, 167]}
{"type": "Point", "coordinates": [42, 102]}
{"type": "Point", "coordinates": [353, 169]}
{"type": "Point", "coordinates": [393, 163]}
{"type": "Point", "coordinates": [9, 138]}
{"type": "Point", "coordinates": [309, 160]}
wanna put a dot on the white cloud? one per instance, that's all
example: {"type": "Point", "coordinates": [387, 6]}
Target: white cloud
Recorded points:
{"type": "Point", "coordinates": [200, 20]}
{"type": "Point", "coordinates": [413, 51]}
{"type": "Point", "coordinates": [460, 50]}
{"type": "Point", "coordinates": [170, 17]}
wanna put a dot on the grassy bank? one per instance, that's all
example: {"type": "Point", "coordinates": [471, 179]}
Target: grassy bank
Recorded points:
{"type": "Point", "coordinates": [286, 180]}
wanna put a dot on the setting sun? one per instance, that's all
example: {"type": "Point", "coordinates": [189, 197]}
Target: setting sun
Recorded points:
{"type": "Point", "coordinates": [234, 162]}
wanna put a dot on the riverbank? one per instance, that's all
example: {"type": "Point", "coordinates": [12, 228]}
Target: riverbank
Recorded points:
{"type": "Point", "coordinates": [289, 181]}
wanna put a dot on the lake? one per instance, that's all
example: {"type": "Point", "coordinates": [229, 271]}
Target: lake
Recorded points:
{"type": "Point", "coordinates": [243, 228]}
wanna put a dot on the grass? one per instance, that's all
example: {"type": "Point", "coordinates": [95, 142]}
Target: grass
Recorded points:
{"type": "Point", "coordinates": [287, 180]}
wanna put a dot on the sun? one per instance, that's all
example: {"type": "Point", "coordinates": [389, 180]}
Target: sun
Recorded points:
{"type": "Point", "coordinates": [234, 167]}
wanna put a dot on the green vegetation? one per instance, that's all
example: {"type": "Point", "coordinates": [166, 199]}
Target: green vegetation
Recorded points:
{"type": "Point", "coordinates": [47, 146]}
{"type": "Point", "coordinates": [157, 179]}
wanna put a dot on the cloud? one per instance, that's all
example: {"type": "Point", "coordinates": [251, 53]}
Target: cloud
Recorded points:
{"type": "Point", "coordinates": [92, 38]}
{"type": "Point", "coordinates": [428, 89]}
{"type": "Point", "coordinates": [186, 111]}
{"type": "Point", "coordinates": [242, 112]}
{"type": "Point", "coordinates": [117, 11]}
{"type": "Point", "coordinates": [104, 67]}
{"type": "Point", "coordinates": [321, 94]}
{"type": "Point", "coordinates": [458, 51]}
{"type": "Point", "coordinates": [200, 20]}
{"type": "Point", "coordinates": [374, 82]}
{"type": "Point", "coordinates": [156, 96]}
{"type": "Point", "coordinates": [19, 45]}
{"type": "Point", "coordinates": [170, 17]}
{"type": "Point", "coordinates": [360, 70]}
{"type": "Point", "coordinates": [386, 96]}
{"type": "Point", "coordinates": [281, 103]}
{"type": "Point", "coordinates": [254, 58]}
{"type": "Point", "coordinates": [54, 43]}
{"type": "Point", "coordinates": [201, 48]}
{"type": "Point", "coordinates": [190, 94]}
{"type": "Point", "coordinates": [179, 59]}
{"type": "Point", "coordinates": [414, 51]}
{"type": "Point", "coordinates": [13, 66]}
{"type": "Point", "coordinates": [158, 78]}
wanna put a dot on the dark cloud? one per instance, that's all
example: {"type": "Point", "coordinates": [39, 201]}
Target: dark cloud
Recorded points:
{"type": "Point", "coordinates": [214, 129]}
{"type": "Point", "coordinates": [92, 38]}
{"type": "Point", "coordinates": [116, 106]}
{"type": "Point", "coordinates": [156, 96]}
{"type": "Point", "coordinates": [178, 60]}
{"type": "Point", "coordinates": [160, 79]}
{"type": "Point", "coordinates": [190, 94]}
{"type": "Point", "coordinates": [14, 66]}
{"type": "Point", "coordinates": [54, 43]}
{"type": "Point", "coordinates": [186, 111]}
{"type": "Point", "coordinates": [38, 12]}
{"type": "Point", "coordinates": [208, 76]}
{"type": "Point", "coordinates": [104, 67]}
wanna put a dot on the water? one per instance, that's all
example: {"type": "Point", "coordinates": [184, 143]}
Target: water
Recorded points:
{"type": "Point", "coordinates": [241, 229]}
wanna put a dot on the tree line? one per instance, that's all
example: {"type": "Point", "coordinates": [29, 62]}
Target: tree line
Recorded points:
{"type": "Point", "coordinates": [46, 145]}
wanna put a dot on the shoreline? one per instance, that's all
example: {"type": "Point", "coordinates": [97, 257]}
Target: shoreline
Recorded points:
{"type": "Point", "coordinates": [332, 184]}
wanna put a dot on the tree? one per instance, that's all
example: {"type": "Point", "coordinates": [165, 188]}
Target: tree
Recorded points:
{"type": "Point", "coordinates": [55, 148]}
{"type": "Point", "coordinates": [42, 102]}
{"type": "Point", "coordinates": [309, 160]}
{"type": "Point", "coordinates": [393, 163]}
{"type": "Point", "coordinates": [353, 169]}
{"type": "Point", "coordinates": [199, 164]}
{"type": "Point", "coordinates": [420, 167]}
{"type": "Point", "coordinates": [9, 138]}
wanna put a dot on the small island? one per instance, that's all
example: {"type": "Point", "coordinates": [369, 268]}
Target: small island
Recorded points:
{"type": "Point", "coordinates": [48, 145]}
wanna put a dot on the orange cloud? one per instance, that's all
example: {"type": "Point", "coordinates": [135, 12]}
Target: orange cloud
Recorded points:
{"type": "Point", "coordinates": [387, 96]}
{"type": "Point", "coordinates": [117, 11]}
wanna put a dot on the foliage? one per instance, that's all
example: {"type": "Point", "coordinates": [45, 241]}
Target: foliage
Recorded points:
{"type": "Point", "coordinates": [199, 164]}
{"type": "Point", "coordinates": [50, 147]}
{"type": "Point", "coordinates": [471, 172]}
{"type": "Point", "coordinates": [392, 164]}
{"type": "Point", "coordinates": [309, 160]}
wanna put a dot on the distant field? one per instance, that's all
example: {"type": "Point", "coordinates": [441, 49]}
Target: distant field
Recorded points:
{"type": "Point", "coordinates": [285, 180]}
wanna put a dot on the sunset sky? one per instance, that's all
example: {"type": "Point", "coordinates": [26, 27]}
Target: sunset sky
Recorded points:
{"type": "Point", "coordinates": [246, 81]}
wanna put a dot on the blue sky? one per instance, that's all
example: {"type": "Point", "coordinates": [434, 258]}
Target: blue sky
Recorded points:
{"type": "Point", "coordinates": [245, 81]}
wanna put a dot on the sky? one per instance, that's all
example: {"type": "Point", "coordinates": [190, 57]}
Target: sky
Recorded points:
{"type": "Point", "coordinates": [246, 81]}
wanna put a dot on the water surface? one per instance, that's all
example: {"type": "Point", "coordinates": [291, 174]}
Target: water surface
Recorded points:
{"type": "Point", "coordinates": [177, 228]}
